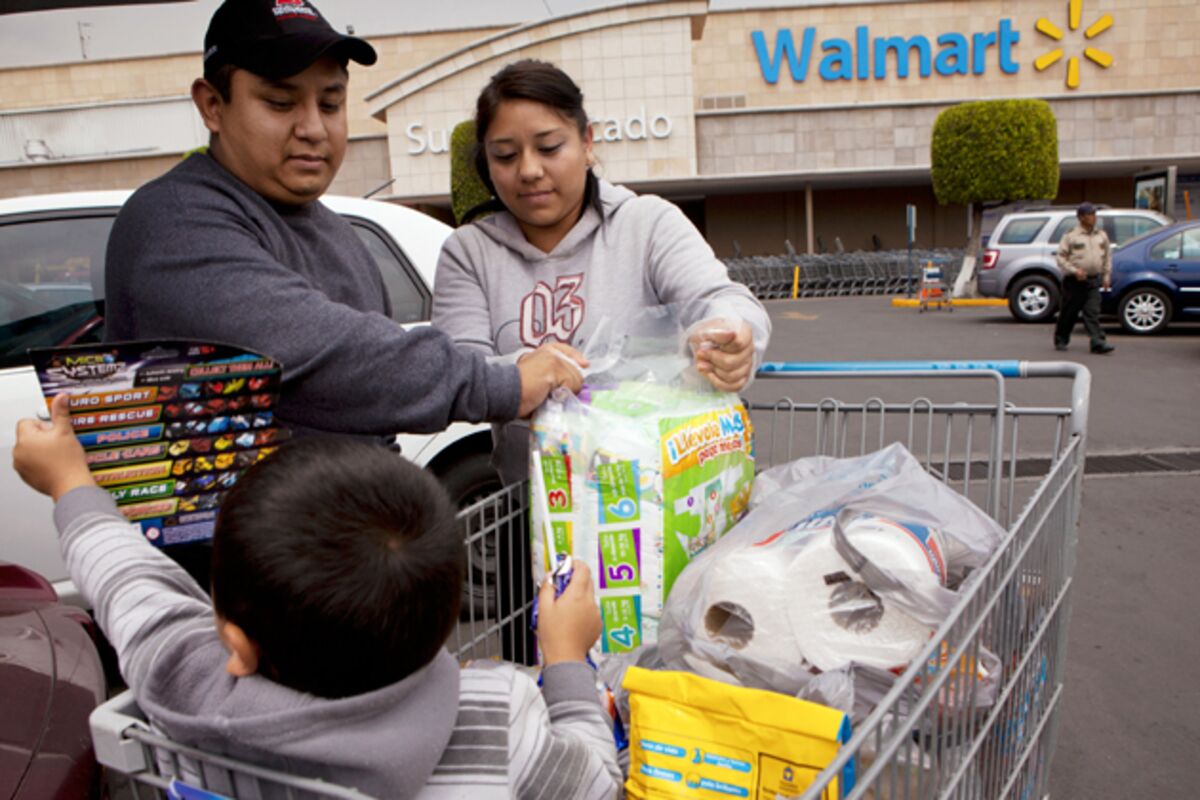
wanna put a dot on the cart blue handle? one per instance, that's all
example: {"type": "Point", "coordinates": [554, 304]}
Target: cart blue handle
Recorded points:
{"type": "Point", "coordinates": [1081, 378]}
{"type": "Point", "coordinates": [1009, 369]}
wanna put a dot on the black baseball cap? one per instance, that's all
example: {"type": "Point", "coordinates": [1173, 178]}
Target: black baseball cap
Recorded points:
{"type": "Point", "coordinates": [1084, 209]}
{"type": "Point", "coordinates": [276, 38]}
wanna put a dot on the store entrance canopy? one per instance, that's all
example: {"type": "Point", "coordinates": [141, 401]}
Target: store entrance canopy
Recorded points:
{"type": "Point", "coordinates": [22, 6]}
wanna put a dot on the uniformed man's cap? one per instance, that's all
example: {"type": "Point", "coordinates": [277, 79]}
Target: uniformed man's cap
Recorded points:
{"type": "Point", "coordinates": [1084, 209]}
{"type": "Point", "coordinates": [276, 38]}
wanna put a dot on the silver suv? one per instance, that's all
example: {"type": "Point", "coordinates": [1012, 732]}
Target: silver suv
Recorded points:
{"type": "Point", "coordinates": [1019, 260]}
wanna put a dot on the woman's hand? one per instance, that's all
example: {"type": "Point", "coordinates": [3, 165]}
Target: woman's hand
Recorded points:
{"type": "Point", "coordinates": [724, 353]}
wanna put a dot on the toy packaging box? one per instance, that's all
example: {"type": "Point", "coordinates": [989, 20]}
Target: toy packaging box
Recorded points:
{"type": "Point", "coordinates": [636, 479]}
{"type": "Point", "coordinates": [168, 427]}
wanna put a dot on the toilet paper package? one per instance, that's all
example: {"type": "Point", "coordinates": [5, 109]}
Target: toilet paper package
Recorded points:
{"type": "Point", "coordinates": [792, 603]}
{"type": "Point", "coordinates": [847, 564]}
{"type": "Point", "coordinates": [637, 478]}
{"type": "Point", "coordinates": [889, 482]}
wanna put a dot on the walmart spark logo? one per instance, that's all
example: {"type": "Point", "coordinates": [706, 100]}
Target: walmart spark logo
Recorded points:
{"type": "Point", "coordinates": [1074, 14]}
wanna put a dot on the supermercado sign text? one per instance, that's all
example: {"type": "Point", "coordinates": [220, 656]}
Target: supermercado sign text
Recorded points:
{"type": "Point", "coordinates": [636, 127]}
{"type": "Point", "coordinates": [867, 56]}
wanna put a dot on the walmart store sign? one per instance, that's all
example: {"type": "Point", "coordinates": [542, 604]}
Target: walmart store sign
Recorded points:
{"type": "Point", "coordinates": [867, 57]}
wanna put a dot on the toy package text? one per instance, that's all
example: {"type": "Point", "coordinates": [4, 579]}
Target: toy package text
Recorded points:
{"type": "Point", "coordinates": [168, 427]}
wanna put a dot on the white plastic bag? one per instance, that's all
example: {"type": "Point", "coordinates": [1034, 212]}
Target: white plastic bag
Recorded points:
{"type": "Point", "coordinates": [840, 563]}
{"type": "Point", "coordinates": [889, 482]}
{"type": "Point", "coordinates": [644, 469]}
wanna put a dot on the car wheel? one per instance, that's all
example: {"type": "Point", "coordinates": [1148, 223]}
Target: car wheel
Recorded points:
{"type": "Point", "coordinates": [1145, 311]}
{"type": "Point", "coordinates": [1033, 299]}
{"type": "Point", "coordinates": [470, 479]}
{"type": "Point", "coordinates": [467, 481]}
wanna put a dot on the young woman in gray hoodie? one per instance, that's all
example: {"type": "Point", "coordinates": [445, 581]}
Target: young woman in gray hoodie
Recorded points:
{"type": "Point", "coordinates": [566, 249]}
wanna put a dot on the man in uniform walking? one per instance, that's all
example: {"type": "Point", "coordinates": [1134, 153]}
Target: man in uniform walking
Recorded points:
{"type": "Point", "coordinates": [1085, 259]}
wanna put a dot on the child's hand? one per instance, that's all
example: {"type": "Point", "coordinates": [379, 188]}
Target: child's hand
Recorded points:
{"type": "Point", "coordinates": [724, 353]}
{"type": "Point", "coordinates": [569, 624]}
{"type": "Point", "coordinates": [47, 455]}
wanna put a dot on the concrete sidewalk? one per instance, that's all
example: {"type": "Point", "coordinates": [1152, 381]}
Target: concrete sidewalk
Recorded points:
{"type": "Point", "coordinates": [1130, 724]}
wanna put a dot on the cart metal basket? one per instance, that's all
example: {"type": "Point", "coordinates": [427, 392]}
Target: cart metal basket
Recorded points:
{"type": "Point", "coordinates": [934, 290]}
{"type": "Point", "coordinates": [1022, 462]}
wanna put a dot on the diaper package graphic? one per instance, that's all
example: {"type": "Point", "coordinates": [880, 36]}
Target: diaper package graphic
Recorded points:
{"type": "Point", "coordinates": [638, 479]}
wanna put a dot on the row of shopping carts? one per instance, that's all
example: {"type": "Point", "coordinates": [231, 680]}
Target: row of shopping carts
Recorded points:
{"type": "Point", "coordinates": [839, 274]}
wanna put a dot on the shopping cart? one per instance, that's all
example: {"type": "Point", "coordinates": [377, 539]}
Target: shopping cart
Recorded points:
{"type": "Point", "coordinates": [934, 290]}
{"type": "Point", "coordinates": [1022, 462]}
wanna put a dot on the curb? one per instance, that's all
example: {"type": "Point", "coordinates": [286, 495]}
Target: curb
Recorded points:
{"type": "Point", "coordinates": [964, 302]}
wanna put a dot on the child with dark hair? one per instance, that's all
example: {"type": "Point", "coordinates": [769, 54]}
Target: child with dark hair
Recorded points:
{"type": "Point", "coordinates": [337, 575]}
{"type": "Point", "coordinates": [320, 551]}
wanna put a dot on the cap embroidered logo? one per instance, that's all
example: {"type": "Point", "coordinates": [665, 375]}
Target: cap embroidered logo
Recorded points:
{"type": "Point", "coordinates": [285, 9]}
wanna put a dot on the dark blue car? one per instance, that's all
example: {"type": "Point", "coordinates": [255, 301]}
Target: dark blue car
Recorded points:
{"type": "Point", "coordinates": [1156, 279]}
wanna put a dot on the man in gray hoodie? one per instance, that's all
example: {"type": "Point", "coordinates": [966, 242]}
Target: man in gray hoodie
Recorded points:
{"type": "Point", "coordinates": [232, 246]}
{"type": "Point", "coordinates": [337, 574]}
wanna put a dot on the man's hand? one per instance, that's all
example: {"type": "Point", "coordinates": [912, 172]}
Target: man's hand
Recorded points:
{"type": "Point", "coordinates": [724, 353]}
{"type": "Point", "coordinates": [1107, 284]}
{"type": "Point", "coordinates": [1080, 275]}
{"type": "Point", "coordinates": [544, 370]}
{"type": "Point", "coordinates": [568, 624]}
{"type": "Point", "coordinates": [47, 455]}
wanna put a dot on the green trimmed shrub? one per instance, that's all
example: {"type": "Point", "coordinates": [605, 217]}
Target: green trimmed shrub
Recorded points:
{"type": "Point", "coordinates": [466, 187]}
{"type": "Point", "coordinates": [989, 153]}
{"type": "Point", "coordinates": [995, 151]}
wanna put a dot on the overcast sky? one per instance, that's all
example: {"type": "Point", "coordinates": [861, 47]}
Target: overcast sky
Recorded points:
{"type": "Point", "coordinates": [56, 37]}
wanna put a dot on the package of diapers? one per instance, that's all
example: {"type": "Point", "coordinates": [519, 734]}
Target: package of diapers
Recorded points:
{"type": "Point", "coordinates": [645, 468]}
{"type": "Point", "coordinates": [636, 479]}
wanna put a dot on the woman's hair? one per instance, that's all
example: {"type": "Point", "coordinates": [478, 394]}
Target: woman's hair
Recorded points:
{"type": "Point", "coordinates": [539, 82]}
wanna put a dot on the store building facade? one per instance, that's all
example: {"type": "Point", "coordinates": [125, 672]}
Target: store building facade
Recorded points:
{"type": "Point", "coordinates": [805, 124]}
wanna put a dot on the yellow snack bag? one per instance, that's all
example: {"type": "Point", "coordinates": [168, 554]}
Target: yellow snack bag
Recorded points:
{"type": "Point", "coordinates": [694, 737]}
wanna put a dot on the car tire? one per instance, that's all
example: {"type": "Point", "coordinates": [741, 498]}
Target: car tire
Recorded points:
{"type": "Point", "coordinates": [1145, 311]}
{"type": "Point", "coordinates": [1034, 299]}
{"type": "Point", "coordinates": [469, 480]}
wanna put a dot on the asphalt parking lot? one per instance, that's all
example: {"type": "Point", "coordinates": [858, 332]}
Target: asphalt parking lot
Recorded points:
{"type": "Point", "coordinates": [1130, 723]}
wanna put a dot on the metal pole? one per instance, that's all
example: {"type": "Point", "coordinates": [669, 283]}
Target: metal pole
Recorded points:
{"type": "Point", "coordinates": [910, 269]}
{"type": "Point", "coordinates": [910, 225]}
{"type": "Point", "coordinates": [808, 217]}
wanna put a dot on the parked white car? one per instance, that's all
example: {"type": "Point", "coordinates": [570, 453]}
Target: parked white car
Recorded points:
{"type": "Point", "coordinates": [52, 255]}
